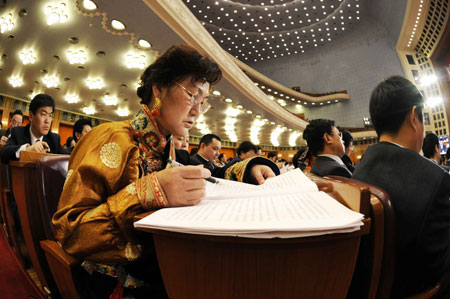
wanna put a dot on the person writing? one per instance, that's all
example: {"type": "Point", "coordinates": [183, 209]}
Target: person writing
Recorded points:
{"type": "Point", "coordinates": [119, 170]}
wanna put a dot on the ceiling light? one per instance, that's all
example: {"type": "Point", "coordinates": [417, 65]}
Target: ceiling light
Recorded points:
{"type": "Point", "coordinates": [216, 93]}
{"type": "Point", "coordinates": [89, 5]}
{"type": "Point", "coordinates": [6, 23]}
{"type": "Point", "coordinates": [135, 61]}
{"type": "Point", "coordinates": [240, 106]}
{"type": "Point", "coordinates": [27, 56]}
{"type": "Point", "coordinates": [144, 44]}
{"type": "Point", "coordinates": [249, 112]}
{"type": "Point", "coordinates": [50, 81]}
{"type": "Point", "coordinates": [118, 25]}
{"type": "Point", "coordinates": [228, 100]}
{"type": "Point", "coordinates": [433, 102]}
{"type": "Point", "coordinates": [232, 112]}
{"type": "Point", "coordinates": [56, 13]}
{"type": "Point", "coordinates": [76, 56]}
{"type": "Point", "coordinates": [95, 83]}
{"type": "Point", "coordinates": [123, 111]}
{"type": "Point", "coordinates": [428, 79]}
{"type": "Point", "coordinates": [89, 110]}
{"type": "Point", "coordinates": [72, 98]}
{"type": "Point", "coordinates": [110, 100]}
{"type": "Point", "coordinates": [275, 134]}
{"type": "Point", "coordinates": [15, 81]}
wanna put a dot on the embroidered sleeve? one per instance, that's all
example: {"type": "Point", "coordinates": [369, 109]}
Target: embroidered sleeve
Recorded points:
{"type": "Point", "coordinates": [101, 196]}
{"type": "Point", "coordinates": [240, 171]}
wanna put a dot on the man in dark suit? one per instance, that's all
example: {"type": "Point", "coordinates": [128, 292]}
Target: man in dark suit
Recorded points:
{"type": "Point", "coordinates": [432, 150]}
{"type": "Point", "coordinates": [36, 136]}
{"type": "Point", "coordinates": [16, 121]}
{"type": "Point", "coordinates": [208, 151]}
{"type": "Point", "coordinates": [419, 189]}
{"type": "Point", "coordinates": [324, 141]}
{"type": "Point", "coordinates": [348, 144]}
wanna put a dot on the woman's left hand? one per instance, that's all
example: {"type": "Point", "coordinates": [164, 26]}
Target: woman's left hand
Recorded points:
{"type": "Point", "coordinates": [260, 173]}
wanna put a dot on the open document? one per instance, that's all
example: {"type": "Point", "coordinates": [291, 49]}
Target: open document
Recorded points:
{"type": "Point", "coordinates": [287, 206]}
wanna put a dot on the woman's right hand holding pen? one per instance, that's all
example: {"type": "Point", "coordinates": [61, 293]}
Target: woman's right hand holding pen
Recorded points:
{"type": "Point", "coordinates": [183, 186]}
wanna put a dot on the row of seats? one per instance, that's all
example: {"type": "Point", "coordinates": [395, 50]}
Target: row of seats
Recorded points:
{"type": "Point", "coordinates": [36, 186]}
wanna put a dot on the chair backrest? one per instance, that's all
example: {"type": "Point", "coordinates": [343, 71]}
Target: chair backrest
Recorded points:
{"type": "Point", "coordinates": [52, 171]}
{"type": "Point", "coordinates": [375, 268]}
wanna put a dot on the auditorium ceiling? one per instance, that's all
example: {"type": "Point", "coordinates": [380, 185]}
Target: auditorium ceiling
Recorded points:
{"type": "Point", "coordinates": [89, 54]}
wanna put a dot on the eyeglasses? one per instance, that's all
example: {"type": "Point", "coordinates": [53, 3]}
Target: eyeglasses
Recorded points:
{"type": "Point", "coordinates": [196, 99]}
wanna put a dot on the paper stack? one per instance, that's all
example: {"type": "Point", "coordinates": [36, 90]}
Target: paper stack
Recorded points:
{"type": "Point", "coordinates": [286, 206]}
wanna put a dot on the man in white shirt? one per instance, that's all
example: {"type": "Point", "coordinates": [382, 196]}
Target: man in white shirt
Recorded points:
{"type": "Point", "coordinates": [325, 142]}
{"type": "Point", "coordinates": [36, 136]}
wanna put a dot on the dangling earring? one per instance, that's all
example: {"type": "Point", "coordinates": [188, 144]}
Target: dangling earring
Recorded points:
{"type": "Point", "coordinates": [156, 107]}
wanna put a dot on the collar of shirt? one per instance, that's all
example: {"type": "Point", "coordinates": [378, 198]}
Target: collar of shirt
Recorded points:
{"type": "Point", "coordinates": [394, 144]}
{"type": "Point", "coordinates": [203, 158]}
{"type": "Point", "coordinates": [334, 157]}
{"type": "Point", "coordinates": [34, 139]}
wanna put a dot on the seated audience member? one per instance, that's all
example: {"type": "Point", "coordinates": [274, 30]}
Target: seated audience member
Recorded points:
{"type": "Point", "coordinates": [272, 156]}
{"type": "Point", "coordinates": [282, 165]}
{"type": "Point", "coordinates": [70, 143]}
{"type": "Point", "coordinates": [16, 121]}
{"type": "Point", "coordinates": [432, 151]}
{"type": "Point", "coordinates": [259, 151]}
{"type": "Point", "coordinates": [36, 136]}
{"type": "Point", "coordinates": [244, 151]}
{"type": "Point", "coordinates": [208, 151]}
{"type": "Point", "coordinates": [301, 158]}
{"type": "Point", "coordinates": [81, 128]}
{"type": "Point", "coordinates": [419, 190]}
{"type": "Point", "coordinates": [181, 142]}
{"type": "Point", "coordinates": [324, 141]}
{"type": "Point", "coordinates": [348, 144]}
{"type": "Point", "coordinates": [119, 170]}
{"type": "Point", "coordinates": [193, 151]}
{"type": "Point", "coordinates": [447, 157]}
{"type": "Point", "coordinates": [221, 160]}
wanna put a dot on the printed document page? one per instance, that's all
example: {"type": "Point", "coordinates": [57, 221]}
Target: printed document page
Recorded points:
{"type": "Point", "coordinates": [288, 215]}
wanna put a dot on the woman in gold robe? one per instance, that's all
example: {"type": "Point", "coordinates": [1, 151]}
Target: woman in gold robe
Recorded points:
{"type": "Point", "coordinates": [118, 170]}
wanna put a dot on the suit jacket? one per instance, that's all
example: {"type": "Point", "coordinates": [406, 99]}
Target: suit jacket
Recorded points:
{"type": "Point", "coordinates": [324, 166]}
{"type": "Point", "coordinates": [420, 192]}
{"type": "Point", "coordinates": [21, 135]}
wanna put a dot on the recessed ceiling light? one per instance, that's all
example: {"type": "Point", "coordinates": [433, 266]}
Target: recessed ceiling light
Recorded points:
{"type": "Point", "coordinates": [89, 5]}
{"type": "Point", "coordinates": [118, 25]}
{"type": "Point", "coordinates": [76, 56]}
{"type": "Point", "coordinates": [144, 44]}
{"type": "Point", "coordinates": [228, 100]}
{"type": "Point", "coordinates": [135, 61]}
{"type": "Point", "coordinates": [110, 100]}
{"type": "Point", "coordinates": [123, 111]}
{"type": "Point", "coordinates": [89, 110]}
{"type": "Point", "coordinates": [216, 93]}
{"type": "Point", "coordinates": [56, 13]}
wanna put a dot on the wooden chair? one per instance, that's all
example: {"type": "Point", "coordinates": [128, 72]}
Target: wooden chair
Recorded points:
{"type": "Point", "coordinates": [200, 266]}
{"type": "Point", "coordinates": [376, 262]}
{"type": "Point", "coordinates": [52, 171]}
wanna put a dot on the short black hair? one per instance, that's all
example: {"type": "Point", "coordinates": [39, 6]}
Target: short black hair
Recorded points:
{"type": "Point", "coordinates": [41, 100]}
{"type": "Point", "coordinates": [17, 112]}
{"type": "Point", "coordinates": [390, 103]}
{"type": "Point", "coordinates": [346, 137]}
{"type": "Point", "coordinates": [271, 154]}
{"type": "Point", "coordinates": [245, 147]}
{"type": "Point", "coordinates": [79, 126]}
{"type": "Point", "coordinates": [207, 139]}
{"type": "Point", "coordinates": [193, 151]}
{"type": "Point", "coordinates": [429, 144]}
{"type": "Point", "coordinates": [69, 141]}
{"type": "Point", "coordinates": [221, 156]}
{"type": "Point", "coordinates": [314, 131]}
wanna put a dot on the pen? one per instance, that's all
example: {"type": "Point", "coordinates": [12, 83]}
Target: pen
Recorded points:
{"type": "Point", "coordinates": [176, 164]}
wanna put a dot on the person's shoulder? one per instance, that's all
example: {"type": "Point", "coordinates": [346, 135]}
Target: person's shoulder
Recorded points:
{"type": "Point", "coordinates": [19, 130]}
{"type": "Point", "coordinates": [111, 130]}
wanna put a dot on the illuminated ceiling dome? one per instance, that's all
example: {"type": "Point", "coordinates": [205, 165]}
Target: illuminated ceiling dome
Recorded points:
{"type": "Point", "coordinates": [256, 30]}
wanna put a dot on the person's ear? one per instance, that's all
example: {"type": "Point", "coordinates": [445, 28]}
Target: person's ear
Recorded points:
{"type": "Point", "coordinates": [156, 91]}
{"type": "Point", "coordinates": [78, 135]}
{"type": "Point", "coordinates": [413, 118]}
{"type": "Point", "coordinates": [327, 138]}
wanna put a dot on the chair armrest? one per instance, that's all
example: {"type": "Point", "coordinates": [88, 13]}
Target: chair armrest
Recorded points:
{"type": "Point", "coordinates": [55, 250]}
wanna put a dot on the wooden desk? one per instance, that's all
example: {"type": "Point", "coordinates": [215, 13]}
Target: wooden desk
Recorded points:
{"type": "Point", "coordinates": [200, 266]}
